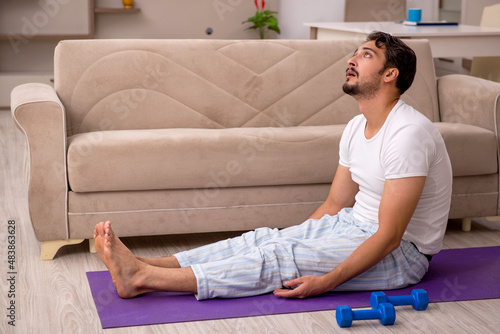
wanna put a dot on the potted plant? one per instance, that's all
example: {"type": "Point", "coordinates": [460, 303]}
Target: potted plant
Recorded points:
{"type": "Point", "coordinates": [263, 19]}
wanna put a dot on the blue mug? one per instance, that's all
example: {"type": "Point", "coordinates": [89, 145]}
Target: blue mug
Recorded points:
{"type": "Point", "coordinates": [414, 14]}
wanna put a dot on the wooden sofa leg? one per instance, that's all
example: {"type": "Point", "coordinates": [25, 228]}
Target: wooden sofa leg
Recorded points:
{"type": "Point", "coordinates": [92, 246]}
{"type": "Point", "coordinates": [466, 224]}
{"type": "Point", "coordinates": [50, 248]}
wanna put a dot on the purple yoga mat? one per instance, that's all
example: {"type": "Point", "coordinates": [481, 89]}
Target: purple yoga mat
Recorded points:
{"type": "Point", "coordinates": [454, 275]}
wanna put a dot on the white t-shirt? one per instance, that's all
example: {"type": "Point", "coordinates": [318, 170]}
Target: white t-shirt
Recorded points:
{"type": "Point", "coordinates": [407, 145]}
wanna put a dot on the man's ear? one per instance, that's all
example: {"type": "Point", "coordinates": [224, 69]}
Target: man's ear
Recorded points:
{"type": "Point", "coordinates": [391, 74]}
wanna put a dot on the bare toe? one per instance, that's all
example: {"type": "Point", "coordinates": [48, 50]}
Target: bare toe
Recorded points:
{"type": "Point", "coordinates": [99, 230]}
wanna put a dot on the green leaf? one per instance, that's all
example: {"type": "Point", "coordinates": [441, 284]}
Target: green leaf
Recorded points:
{"type": "Point", "coordinates": [272, 21]}
{"type": "Point", "coordinates": [263, 19]}
{"type": "Point", "coordinates": [274, 28]}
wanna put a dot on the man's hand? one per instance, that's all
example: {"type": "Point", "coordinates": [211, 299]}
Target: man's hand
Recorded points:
{"type": "Point", "coordinates": [307, 286]}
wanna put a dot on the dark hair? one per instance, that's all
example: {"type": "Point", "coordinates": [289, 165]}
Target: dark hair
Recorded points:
{"type": "Point", "coordinates": [398, 55]}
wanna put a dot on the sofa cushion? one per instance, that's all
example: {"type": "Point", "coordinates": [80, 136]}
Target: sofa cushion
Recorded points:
{"type": "Point", "coordinates": [202, 158]}
{"type": "Point", "coordinates": [472, 150]}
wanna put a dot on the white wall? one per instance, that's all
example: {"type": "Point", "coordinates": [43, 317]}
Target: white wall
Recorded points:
{"type": "Point", "coordinates": [293, 14]}
{"type": "Point", "coordinates": [180, 19]}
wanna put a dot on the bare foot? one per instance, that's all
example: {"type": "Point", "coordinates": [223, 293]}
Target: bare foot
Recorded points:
{"type": "Point", "coordinates": [124, 267]}
{"type": "Point", "coordinates": [163, 262]}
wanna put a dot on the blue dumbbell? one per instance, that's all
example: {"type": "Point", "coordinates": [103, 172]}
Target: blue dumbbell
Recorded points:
{"type": "Point", "coordinates": [384, 312]}
{"type": "Point", "coordinates": [418, 299]}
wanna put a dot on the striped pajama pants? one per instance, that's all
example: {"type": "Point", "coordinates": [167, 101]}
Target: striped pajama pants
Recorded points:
{"type": "Point", "coordinates": [259, 261]}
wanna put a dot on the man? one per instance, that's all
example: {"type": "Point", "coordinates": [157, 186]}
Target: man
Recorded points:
{"type": "Point", "coordinates": [384, 218]}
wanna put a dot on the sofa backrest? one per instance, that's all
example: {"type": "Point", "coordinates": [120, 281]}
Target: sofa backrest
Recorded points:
{"type": "Point", "coordinates": [423, 94]}
{"type": "Point", "coordinates": [152, 84]}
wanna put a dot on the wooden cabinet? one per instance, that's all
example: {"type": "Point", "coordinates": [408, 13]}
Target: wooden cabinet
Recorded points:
{"type": "Point", "coordinates": [29, 32]}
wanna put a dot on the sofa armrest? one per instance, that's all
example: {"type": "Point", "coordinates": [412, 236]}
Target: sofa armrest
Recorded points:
{"type": "Point", "coordinates": [469, 100]}
{"type": "Point", "coordinates": [40, 115]}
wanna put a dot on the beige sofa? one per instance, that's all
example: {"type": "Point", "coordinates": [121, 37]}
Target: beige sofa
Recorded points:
{"type": "Point", "coordinates": [183, 136]}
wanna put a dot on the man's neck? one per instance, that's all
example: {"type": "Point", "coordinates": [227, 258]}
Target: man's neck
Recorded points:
{"type": "Point", "coordinates": [376, 111]}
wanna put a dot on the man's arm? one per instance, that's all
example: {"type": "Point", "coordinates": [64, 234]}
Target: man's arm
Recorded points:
{"type": "Point", "coordinates": [399, 200]}
{"type": "Point", "coordinates": [341, 195]}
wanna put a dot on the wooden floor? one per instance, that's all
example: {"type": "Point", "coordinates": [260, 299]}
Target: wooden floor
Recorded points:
{"type": "Point", "coordinates": [54, 296]}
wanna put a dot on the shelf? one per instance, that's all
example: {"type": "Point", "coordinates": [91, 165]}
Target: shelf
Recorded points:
{"type": "Point", "coordinates": [29, 21]}
{"type": "Point", "coordinates": [116, 10]}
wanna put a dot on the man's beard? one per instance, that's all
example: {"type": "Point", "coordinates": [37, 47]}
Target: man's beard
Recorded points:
{"type": "Point", "coordinates": [364, 90]}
